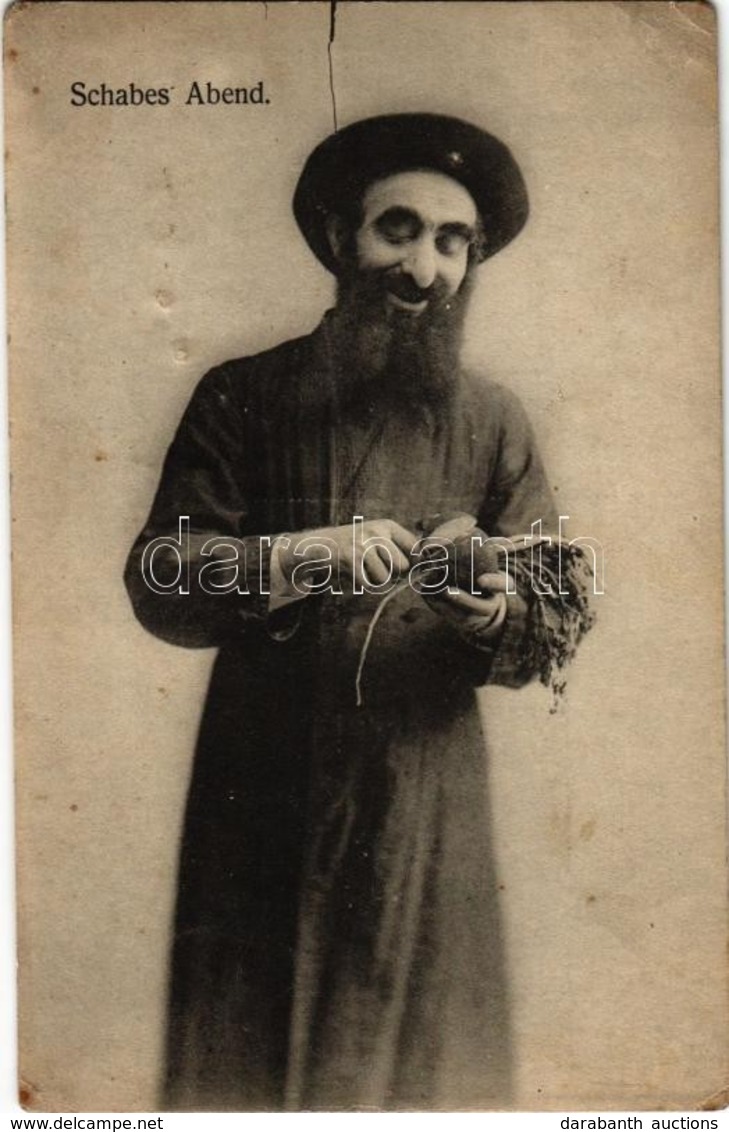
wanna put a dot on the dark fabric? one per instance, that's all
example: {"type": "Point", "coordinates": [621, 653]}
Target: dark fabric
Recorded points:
{"type": "Point", "coordinates": [337, 938]}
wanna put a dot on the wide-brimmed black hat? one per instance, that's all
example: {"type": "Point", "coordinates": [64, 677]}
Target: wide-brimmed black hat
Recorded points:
{"type": "Point", "coordinates": [342, 167]}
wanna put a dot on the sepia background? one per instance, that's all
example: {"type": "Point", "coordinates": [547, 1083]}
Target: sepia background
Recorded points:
{"type": "Point", "coordinates": [145, 245]}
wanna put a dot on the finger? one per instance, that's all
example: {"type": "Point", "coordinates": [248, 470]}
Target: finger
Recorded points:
{"type": "Point", "coordinates": [479, 631]}
{"type": "Point", "coordinates": [394, 557]}
{"type": "Point", "coordinates": [372, 570]}
{"type": "Point", "coordinates": [455, 528]}
{"type": "Point", "coordinates": [496, 614]}
{"type": "Point", "coordinates": [483, 606]}
{"type": "Point", "coordinates": [385, 556]}
{"type": "Point", "coordinates": [345, 565]}
{"type": "Point", "coordinates": [401, 538]}
{"type": "Point", "coordinates": [500, 612]}
{"type": "Point", "coordinates": [497, 583]}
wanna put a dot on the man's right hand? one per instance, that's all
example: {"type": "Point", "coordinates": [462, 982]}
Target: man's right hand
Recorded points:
{"type": "Point", "coordinates": [361, 554]}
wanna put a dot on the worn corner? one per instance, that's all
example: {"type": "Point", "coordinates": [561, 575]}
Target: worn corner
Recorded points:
{"type": "Point", "coordinates": [15, 8]}
{"type": "Point", "coordinates": [28, 1095]}
{"type": "Point", "coordinates": [716, 1101]}
{"type": "Point", "coordinates": [703, 14]}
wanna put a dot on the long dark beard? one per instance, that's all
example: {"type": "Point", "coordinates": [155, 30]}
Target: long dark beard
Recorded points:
{"type": "Point", "coordinates": [388, 358]}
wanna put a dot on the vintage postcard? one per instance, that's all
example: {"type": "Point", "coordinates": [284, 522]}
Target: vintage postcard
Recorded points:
{"type": "Point", "coordinates": [368, 582]}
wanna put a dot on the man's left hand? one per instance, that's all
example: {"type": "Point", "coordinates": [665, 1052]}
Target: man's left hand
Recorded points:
{"type": "Point", "coordinates": [481, 616]}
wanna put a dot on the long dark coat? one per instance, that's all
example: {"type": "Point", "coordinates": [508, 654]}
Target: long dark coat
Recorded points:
{"type": "Point", "coordinates": [337, 941]}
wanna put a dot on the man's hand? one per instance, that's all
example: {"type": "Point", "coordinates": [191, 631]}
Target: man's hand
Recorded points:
{"type": "Point", "coordinates": [364, 554]}
{"type": "Point", "coordinates": [477, 617]}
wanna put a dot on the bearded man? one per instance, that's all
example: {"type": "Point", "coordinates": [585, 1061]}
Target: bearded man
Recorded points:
{"type": "Point", "coordinates": [337, 940]}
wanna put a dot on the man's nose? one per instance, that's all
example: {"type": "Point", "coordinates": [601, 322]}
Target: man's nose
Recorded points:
{"type": "Point", "coordinates": [420, 263]}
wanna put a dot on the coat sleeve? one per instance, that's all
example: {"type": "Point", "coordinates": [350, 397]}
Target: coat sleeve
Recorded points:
{"type": "Point", "coordinates": [195, 576]}
{"type": "Point", "coordinates": [519, 496]}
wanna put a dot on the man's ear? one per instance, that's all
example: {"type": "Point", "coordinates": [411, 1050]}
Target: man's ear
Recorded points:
{"type": "Point", "coordinates": [336, 231]}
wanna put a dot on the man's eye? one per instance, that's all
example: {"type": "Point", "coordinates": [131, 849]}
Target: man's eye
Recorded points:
{"type": "Point", "coordinates": [452, 243]}
{"type": "Point", "coordinates": [397, 226]}
{"type": "Point", "coordinates": [397, 233]}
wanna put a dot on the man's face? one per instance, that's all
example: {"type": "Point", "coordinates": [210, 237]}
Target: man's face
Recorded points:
{"type": "Point", "coordinates": [404, 283]}
{"type": "Point", "coordinates": [416, 233]}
